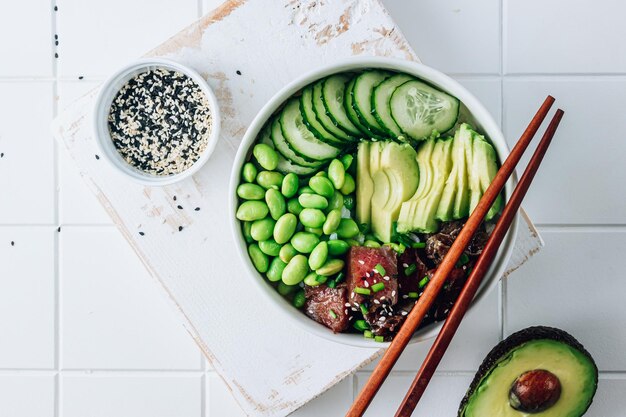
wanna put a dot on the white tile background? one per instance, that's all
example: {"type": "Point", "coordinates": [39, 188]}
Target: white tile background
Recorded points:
{"type": "Point", "coordinates": [84, 331]}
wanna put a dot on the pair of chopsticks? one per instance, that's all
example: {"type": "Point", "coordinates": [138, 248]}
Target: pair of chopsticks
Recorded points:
{"type": "Point", "coordinates": [479, 270]}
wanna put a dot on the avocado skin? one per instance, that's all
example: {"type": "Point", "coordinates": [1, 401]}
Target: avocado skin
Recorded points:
{"type": "Point", "coordinates": [517, 339]}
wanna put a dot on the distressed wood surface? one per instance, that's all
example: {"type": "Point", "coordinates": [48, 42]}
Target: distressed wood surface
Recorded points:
{"type": "Point", "coordinates": [271, 366]}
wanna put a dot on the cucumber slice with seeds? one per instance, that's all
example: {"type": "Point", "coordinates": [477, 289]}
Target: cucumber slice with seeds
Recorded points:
{"type": "Point", "coordinates": [333, 96]}
{"type": "Point", "coordinates": [300, 139]}
{"type": "Point", "coordinates": [380, 103]}
{"type": "Point", "coordinates": [362, 95]}
{"type": "Point", "coordinates": [283, 147]}
{"type": "Point", "coordinates": [284, 165]}
{"type": "Point", "coordinates": [351, 112]}
{"type": "Point", "coordinates": [311, 121]}
{"type": "Point", "coordinates": [420, 109]}
{"type": "Point", "coordinates": [322, 115]}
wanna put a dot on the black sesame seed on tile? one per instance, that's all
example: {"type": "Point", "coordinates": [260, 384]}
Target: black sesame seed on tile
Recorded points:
{"type": "Point", "coordinates": [141, 233]}
{"type": "Point", "coordinates": [56, 36]}
{"type": "Point", "coordinates": [12, 243]}
{"type": "Point", "coordinates": [1, 154]}
{"type": "Point", "coordinates": [180, 228]}
{"type": "Point", "coordinates": [59, 229]}
{"type": "Point", "coordinates": [238, 72]}
{"type": "Point", "coordinates": [179, 207]}
{"type": "Point", "coordinates": [197, 209]}
{"type": "Point", "coordinates": [56, 43]}
{"type": "Point", "coordinates": [174, 198]}
{"type": "Point", "coordinates": [97, 156]}
{"type": "Point", "coordinates": [56, 55]}
{"type": "Point", "coordinates": [80, 77]}
{"type": "Point", "coordinates": [56, 8]}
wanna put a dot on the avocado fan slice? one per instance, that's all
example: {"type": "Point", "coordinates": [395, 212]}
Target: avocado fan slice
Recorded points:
{"type": "Point", "coordinates": [550, 353]}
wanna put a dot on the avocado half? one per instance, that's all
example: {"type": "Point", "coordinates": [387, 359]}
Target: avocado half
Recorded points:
{"type": "Point", "coordinates": [539, 371]}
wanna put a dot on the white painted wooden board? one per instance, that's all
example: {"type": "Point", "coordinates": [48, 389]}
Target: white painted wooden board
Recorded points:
{"type": "Point", "coordinates": [271, 366]}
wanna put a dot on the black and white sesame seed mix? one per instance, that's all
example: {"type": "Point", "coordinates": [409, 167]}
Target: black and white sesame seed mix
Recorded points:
{"type": "Point", "coordinates": [160, 122]}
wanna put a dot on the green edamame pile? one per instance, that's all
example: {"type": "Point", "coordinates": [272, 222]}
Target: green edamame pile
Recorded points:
{"type": "Point", "coordinates": [298, 228]}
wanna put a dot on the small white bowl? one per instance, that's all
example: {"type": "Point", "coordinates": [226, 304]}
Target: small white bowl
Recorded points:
{"type": "Point", "coordinates": [107, 93]}
{"type": "Point", "coordinates": [473, 112]}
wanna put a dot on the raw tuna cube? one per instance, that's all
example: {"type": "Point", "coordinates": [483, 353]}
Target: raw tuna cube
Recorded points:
{"type": "Point", "coordinates": [327, 306]}
{"type": "Point", "coordinates": [367, 268]}
{"type": "Point", "coordinates": [386, 321]}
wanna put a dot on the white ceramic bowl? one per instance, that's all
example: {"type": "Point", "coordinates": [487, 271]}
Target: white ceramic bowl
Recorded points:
{"type": "Point", "coordinates": [473, 111]}
{"type": "Point", "coordinates": [107, 93]}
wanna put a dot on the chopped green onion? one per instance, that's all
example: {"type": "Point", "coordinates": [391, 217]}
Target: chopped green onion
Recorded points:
{"type": "Point", "coordinates": [379, 268]}
{"type": "Point", "coordinates": [368, 334]}
{"type": "Point", "coordinates": [410, 269]}
{"type": "Point", "coordinates": [332, 283]}
{"type": "Point", "coordinates": [361, 325]}
{"type": "Point", "coordinates": [321, 279]}
{"type": "Point", "coordinates": [418, 245]}
{"type": "Point", "coordinates": [413, 295]}
{"type": "Point", "coordinates": [332, 314]}
{"type": "Point", "coordinates": [363, 309]}
{"type": "Point", "coordinates": [340, 277]}
{"type": "Point", "coordinates": [363, 291]}
{"type": "Point", "coordinates": [378, 286]}
{"type": "Point", "coordinates": [423, 282]}
{"type": "Point", "coordinates": [379, 339]}
{"type": "Point", "coordinates": [463, 260]}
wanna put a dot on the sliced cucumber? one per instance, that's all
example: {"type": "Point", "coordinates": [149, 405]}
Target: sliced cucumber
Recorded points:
{"type": "Point", "coordinates": [284, 165]}
{"type": "Point", "coordinates": [351, 112]}
{"type": "Point", "coordinates": [283, 147]}
{"type": "Point", "coordinates": [310, 119]}
{"type": "Point", "coordinates": [333, 96]}
{"type": "Point", "coordinates": [323, 116]}
{"type": "Point", "coordinates": [300, 139]}
{"type": "Point", "coordinates": [420, 109]}
{"type": "Point", "coordinates": [362, 93]}
{"type": "Point", "coordinates": [380, 103]}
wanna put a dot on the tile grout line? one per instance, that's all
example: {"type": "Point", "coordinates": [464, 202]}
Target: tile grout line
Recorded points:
{"type": "Point", "coordinates": [502, 293]}
{"type": "Point", "coordinates": [56, 174]}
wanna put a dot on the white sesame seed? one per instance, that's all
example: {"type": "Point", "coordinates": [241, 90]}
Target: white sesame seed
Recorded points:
{"type": "Point", "coordinates": [376, 302]}
{"type": "Point", "coordinates": [361, 262]}
{"type": "Point", "coordinates": [405, 265]}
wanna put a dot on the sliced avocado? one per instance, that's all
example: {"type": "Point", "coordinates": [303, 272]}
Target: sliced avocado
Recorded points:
{"type": "Point", "coordinates": [454, 184]}
{"type": "Point", "coordinates": [365, 184]}
{"type": "Point", "coordinates": [464, 137]}
{"type": "Point", "coordinates": [398, 163]}
{"type": "Point", "coordinates": [426, 174]}
{"type": "Point", "coordinates": [483, 170]}
{"type": "Point", "coordinates": [382, 191]}
{"type": "Point", "coordinates": [421, 215]}
{"type": "Point", "coordinates": [539, 371]}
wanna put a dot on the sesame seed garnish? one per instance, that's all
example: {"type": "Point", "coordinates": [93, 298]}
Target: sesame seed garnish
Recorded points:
{"type": "Point", "coordinates": [238, 72]}
{"type": "Point", "coordinates": [404, 313]}
{"type": "Point", "coordinates": [141, 233]}
{"type": "Point", "coordinates": [179, 207]}
{"type": "Point", "coordinates": [367, 274]}
{"type": "Point", "coordinates": [80, 77]}
{"type": "Point", "coordinates": [376, 301]}
{"type": "Point", "coordinates": [362, 262]}
{"type": "Point", "coordinates": [393, 293]}
{"type": "Point", "coordinates": [97, 156]}
{"type": "Point", "coordinates": [386, 278]}
{"type": "Point", "coordinates": [348, 305]}
{"type": "Point", "coordinates": [405, 265]}
{"type": "Point", "coordinates": [405, 296]}
{"type": "Point", "coordinates": [56, 55]}
{"type": "Point", "coordinates": [59, 229]}
{"type": "Point", "coordinates": [180, 228]}
{"type": "Point", "coordinates": [12, 243]}
{"type": "Point", "coordinates": [160, 122]}
{"type": "Point", "coordinates": [366, 284]}
{"type": "Point", "coordinates": [382, 319]}
{"type": "Point", "coordinates": [196, 209]}
{"type": "Point", "coordinates": [174, 198]}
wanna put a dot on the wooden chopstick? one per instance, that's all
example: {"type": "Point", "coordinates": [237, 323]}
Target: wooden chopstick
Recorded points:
{"type": "Point", "coordinates": [479, 270]}
{"type": "Point", "coordinates": [438, 279]}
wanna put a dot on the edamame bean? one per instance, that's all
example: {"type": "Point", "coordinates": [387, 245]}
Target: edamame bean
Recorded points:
{"type": "Point", "coordinates": [348, 185]}
{"type": "Point", "coordinates": [318, 256]}
{"type": "Point", "coordinates": [371, 244]}
{"type": "Point", "coordinates": [276, 203]}
{"type": "Point", "coordinates": [353, 242]}
{"type": "Point", "coordinates": [250, 191]}
{"type": "Point", "coordinates": [313, 280]}
{"type": "Point", "coordinates": [259, 259]}
{"type": "Point", "coordinates": [337, 247]}
{"type": "Point", "coordinates": [331, 267]}
{"type": "Point", "coordinates": [269, 179]}
{"type": "Point", "coordinates": [321, 174]}
{"type": "Point", "coordinates": [285, 228]}
{"type": "Point", "coordinates": [309, 200]}
{"type": "Point", "coordinates": [304, 242]}
{"type": "Point", "coordinates": [248, 173]}
{"type": "Point", "coordinates": [322, 186]}
{"type": "Point", "coordinates": [262, 229]}
{"type": "Point", "coordinates": [348, 201]}
{"type": "Point", "coordinates": [311, 217]}
{"type": "Point", "coordinates": [299, 299]}
{"type": "Point", "coordinates": [346, 160]}
{"type": "Point", "coordinates": [296, 270]}
{"type": "Point", "coordinates": [347, 229]}
{"type": "Point", "coordinates": [287, 252]}
{"type": "Point", "coordinates": [252, 210]}
{"type": "Point", "coordinates": [284, 289]}
{"type": "Point", "coordinates": [336, 201]}
{"type": "Point", "coordinates": [246, 227]}
{"type": "Point", "coordinates": [294, 206]}
{"type": "Point", "coordinates": [265, 156]}
{"type": "Point", "coordinates": [270, 247]}
{"type": "Point", "coordinates": [275, 270]}
{"type": "Point", "coordinates": [332, 222]}
{"type": "Point", "coordinates": [317, 231]}
{"type": "Point", "coordinates": [290, 184]}
{"type": "Point", "coordinates": [336, 173]}
{"type": "Point", "coordinates": [306, 189]}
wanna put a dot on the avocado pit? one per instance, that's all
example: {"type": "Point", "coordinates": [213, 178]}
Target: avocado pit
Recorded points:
{"type": "Point", "coordinates": [535, 391]}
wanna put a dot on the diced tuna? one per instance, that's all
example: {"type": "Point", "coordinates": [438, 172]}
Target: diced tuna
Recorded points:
{"type": "Point", "coordinates": [365, 266]}
{"type": "Point", "coordinates": [327, 306]}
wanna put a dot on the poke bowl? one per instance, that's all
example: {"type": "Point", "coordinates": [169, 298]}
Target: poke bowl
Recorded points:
{"type": "Point", "coordinates": [348, 189]}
